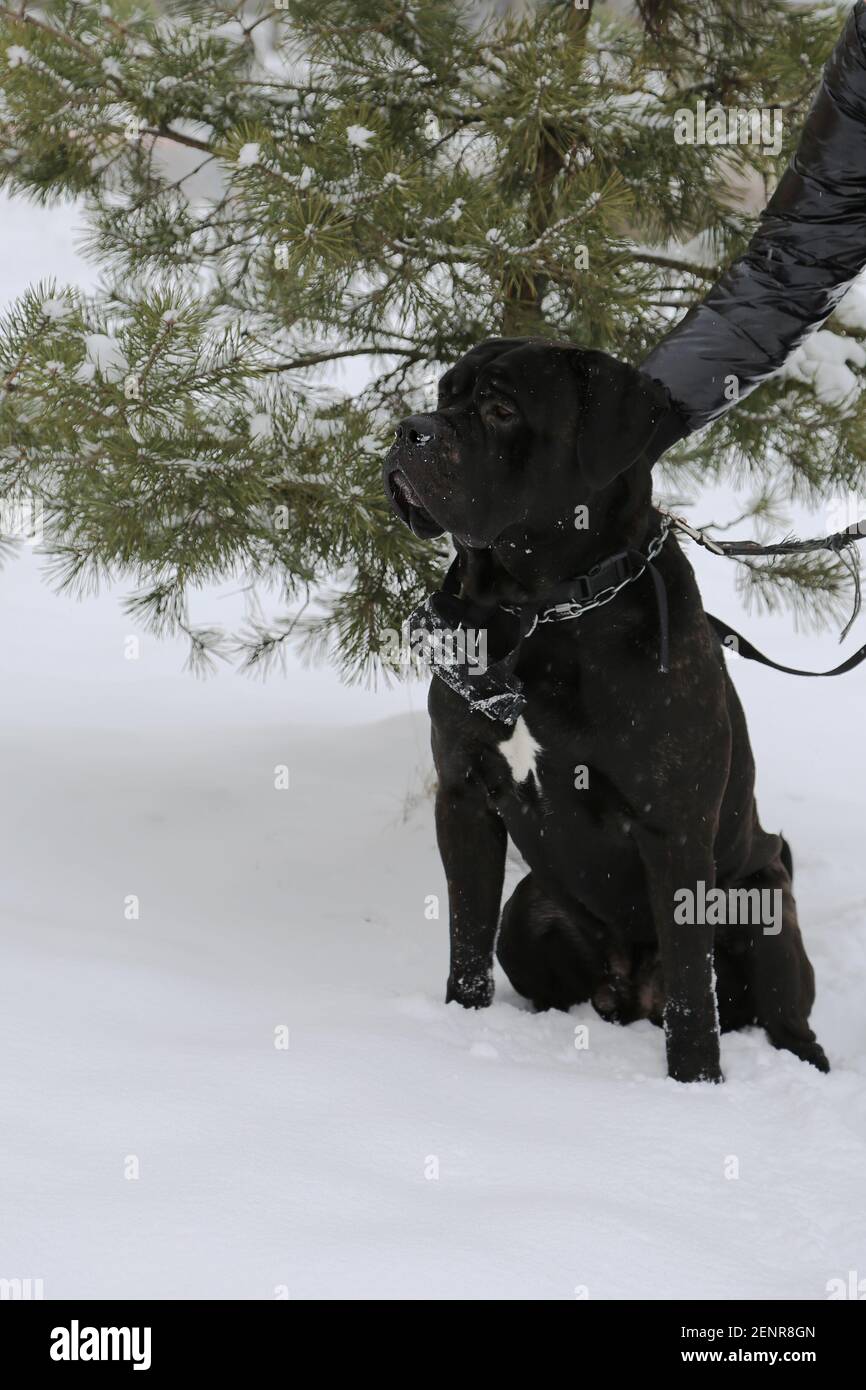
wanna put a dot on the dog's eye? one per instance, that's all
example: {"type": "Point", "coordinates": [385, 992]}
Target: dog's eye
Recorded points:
{"type": "Point", "coordinates": [502, 411]}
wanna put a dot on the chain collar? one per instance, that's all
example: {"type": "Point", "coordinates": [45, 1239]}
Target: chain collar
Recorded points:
{"type": "Point", "coordinates": [497, 691]}
{"type": "Point", "coordinates": [575, 608]}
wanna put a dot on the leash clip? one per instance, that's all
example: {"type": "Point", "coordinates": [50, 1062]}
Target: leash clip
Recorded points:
{"type": "Point", "coordinates": [695, 535]}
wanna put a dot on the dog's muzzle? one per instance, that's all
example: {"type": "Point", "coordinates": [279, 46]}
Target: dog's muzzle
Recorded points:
{"type": "Point", "coordinates": [411, 438]}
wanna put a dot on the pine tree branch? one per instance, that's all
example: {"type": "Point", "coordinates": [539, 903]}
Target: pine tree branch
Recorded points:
{"type": "Point", "coordinates": [704, 272]}
{"type": "Point", "coordinates": [58, 34]}
{"type": "Point", "coordinates": [313, 359]}
{"type": "Point", "coordinates": [166, 133]}
{"type": "Point", "coordinates": [406, 247]}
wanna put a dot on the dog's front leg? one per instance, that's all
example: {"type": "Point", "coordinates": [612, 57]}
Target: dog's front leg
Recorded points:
{"type": "Point", "coordinates": [472, 841]}
{"type": "Point", "coordinates": [686, 946]}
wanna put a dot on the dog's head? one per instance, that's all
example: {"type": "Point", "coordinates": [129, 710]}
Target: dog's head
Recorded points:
{"type": "Point", "coordinates": [524, 432]}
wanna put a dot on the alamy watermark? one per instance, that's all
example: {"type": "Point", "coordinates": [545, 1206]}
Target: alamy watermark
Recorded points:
{"type": "Point", "coordinates": [21, 1290]}
{"type": "Point", "coordinates": [77, 1343]}
{"type": "Point", "coordinates": [729, 125]}
{"type": "Point", "coordinates": [851, 1287]}
{"type": "Point", "coordinates": [719, 907]}
{"type": "Point", "coordinates": [465, 647]}
{"type": "Point", "coordinates": [847, 513]}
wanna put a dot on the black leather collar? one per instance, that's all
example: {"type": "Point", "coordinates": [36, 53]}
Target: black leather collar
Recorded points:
{"type": "Point", "coordinates": [495, 690]}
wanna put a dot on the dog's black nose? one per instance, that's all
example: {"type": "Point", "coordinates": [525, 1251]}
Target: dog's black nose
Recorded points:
{"type": "Point", "coordinates": [416, 429]}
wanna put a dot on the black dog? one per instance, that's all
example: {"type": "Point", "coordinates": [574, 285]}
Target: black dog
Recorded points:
{"type": "Point", "coordinates": [621, 785]}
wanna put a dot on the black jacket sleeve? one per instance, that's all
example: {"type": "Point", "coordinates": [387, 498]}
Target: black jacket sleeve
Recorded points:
{"type": "Point", "coordinates": [810, 245]}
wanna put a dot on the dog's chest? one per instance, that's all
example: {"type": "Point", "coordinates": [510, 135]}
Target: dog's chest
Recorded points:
{"type": "Point", "coordinates": [521, 751]}
{"type": "Point", "coordinates": [553, 769]}
{"type": "Point", "coordinates": [568, 757]}
{"type": "Point", "coordinates": [566, 816]}
{"type": "Point", "coordinates": [523, 768]}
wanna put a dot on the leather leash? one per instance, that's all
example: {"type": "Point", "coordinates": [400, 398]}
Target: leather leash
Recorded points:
{"type": "Point", "coordinates": [733, 550]}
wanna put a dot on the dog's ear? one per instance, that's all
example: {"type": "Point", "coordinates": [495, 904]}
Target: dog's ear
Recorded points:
{"type": "Point", "coordinates": [623, 415]}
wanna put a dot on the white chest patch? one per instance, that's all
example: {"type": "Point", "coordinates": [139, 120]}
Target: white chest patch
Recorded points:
{"type": "Point", "coordinates": [520, 752]}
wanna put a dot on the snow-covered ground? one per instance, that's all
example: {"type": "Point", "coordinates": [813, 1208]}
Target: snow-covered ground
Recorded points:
{"type": "Point", "coordinates": [158, 1142]}
{"type": "Point", "coordinates": [397, 1147]}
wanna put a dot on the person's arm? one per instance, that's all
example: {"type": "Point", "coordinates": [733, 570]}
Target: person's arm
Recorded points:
{"type": "Point", "coordinates": [810, 245]}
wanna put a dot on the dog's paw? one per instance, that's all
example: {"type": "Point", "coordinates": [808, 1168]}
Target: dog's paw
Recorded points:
{"type": "Point", "coordinates": [473, 992]}
{"type": "Point", "coordinates": [817, 1056]}
{"type": "Point", "coordinates": [808, 1050]}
